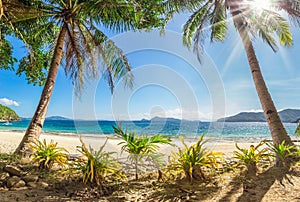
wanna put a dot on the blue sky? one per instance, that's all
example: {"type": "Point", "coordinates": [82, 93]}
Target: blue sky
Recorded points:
{"type": "Point", "coordinates": [168, 82]}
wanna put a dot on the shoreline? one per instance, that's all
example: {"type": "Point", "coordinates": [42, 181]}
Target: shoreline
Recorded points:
{"type": "Point", "coordinates": [216, 138]}
{"type": "Point", "coordinates": [11, 139]}
{"type": "Point", "coordinates": [96, 135]}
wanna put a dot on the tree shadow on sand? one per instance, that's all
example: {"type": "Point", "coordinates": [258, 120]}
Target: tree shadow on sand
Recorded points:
{"type": "Point", "coordinates": [182, 190]}
{"type": "Point", "coordinates": [255, 188]}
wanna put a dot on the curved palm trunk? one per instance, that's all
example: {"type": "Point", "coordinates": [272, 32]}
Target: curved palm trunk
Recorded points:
{"type": "Point", "coordinates": [35, 128]}
{"type": "Point", "coordinates": [276, 127]}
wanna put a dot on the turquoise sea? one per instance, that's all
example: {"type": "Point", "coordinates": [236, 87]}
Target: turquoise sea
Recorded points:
{"type": "Point", "coordinates": [169, 127]}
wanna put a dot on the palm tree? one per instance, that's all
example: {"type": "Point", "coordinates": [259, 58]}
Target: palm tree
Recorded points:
{"type": "Point", "coordinates": [77, 40]}
{"type": "Point", "coordinates": [250, 18]}
{"type": "Point", "coordinates": [140, 147]}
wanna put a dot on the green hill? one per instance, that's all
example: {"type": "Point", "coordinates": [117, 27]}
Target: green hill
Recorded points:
{"type": "Point", "coordinates": [7, 114]}
{"type": "Point", "coordinates": [287, 116]}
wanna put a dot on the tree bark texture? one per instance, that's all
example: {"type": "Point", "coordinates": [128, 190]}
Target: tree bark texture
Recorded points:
{"type": "Point", "coordinates": [34, 130]}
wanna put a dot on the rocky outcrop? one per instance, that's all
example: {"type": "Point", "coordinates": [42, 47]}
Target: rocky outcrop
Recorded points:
{"type": "Point", "coordinates": [13, 170]}
{"type": "Point", "coordinates": [15, 182]}
{"type": "Point", "coordinates": [14, 178]}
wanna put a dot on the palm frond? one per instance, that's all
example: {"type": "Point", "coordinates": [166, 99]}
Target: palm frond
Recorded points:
{"type": "Point", "coordinates": [115, 16]}
{"type": "Point", "coordinates": [269, 23]}
{"type": "Point", "coordinates": [74, 56]}
{"type": "Point", "coordinates": [6, 58]}
{"type": "Point", "coordinates": [218, 22]}
{"type": "Point", "coordinates": [292, 8]}
{"type": "Point", "coordinates": [181, 5]}
{"type": "Point", "coordinates": [116, 64]}
{"type": "Point", "coordinates": [35, 66]}
{"type": "Point", "coordinates": [194, 25]}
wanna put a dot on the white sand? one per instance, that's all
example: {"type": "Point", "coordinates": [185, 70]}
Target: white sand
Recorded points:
{"type": "Point", "coordinates": [9, 141]}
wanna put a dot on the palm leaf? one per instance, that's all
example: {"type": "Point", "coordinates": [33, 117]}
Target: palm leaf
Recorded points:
{"type": "Point", "coordinates": [292, 8]}
{"type": "Point", "coordinates": [218, 22]}
{"type": "Point", "coordinates": [194, 24]}
{"type": "Point", "coordinates": [269, 23]}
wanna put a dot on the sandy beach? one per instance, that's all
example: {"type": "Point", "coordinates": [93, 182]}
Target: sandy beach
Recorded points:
{"type": "Point", "coordinates": [11, 139]}
{"type": "Point", "coordinates": [229, 186]}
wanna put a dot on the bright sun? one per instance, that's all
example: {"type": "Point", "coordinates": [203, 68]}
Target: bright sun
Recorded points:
{"type": "Point", "coordinates": [261, 4]}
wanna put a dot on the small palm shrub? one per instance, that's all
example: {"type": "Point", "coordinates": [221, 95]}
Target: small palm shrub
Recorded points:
{"type": "Point", "coordinates": [296, 154]}
{"type": "Point", "coordinates": [48, 154]}
{"type": "Point", "coordinates": [192, 161]}
{"type": "Point", "coordinates": [97, 166]}
{"type": "Point", "coordinates": [140, 147]}
{"type": "Point", "coordinates": [250, 157]}
{"type": "Point", "coordinates": [282, 152]}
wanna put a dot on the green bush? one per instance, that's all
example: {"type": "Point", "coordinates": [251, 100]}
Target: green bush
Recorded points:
{"type": "Point", "coordinates": [191, 161]}
{"type": "Point", "coordinates": [282, 152]}
{"type": "Point", "coordinates": [140, 147]}
{"type": "Point", "coordinates": [250, 157]}
{"type": "Point", "coordinates": [98, 166]}
{"type": "Point", "coordinates": [48, 154]}
{"type": "Point", "coordinates": [8, 114]}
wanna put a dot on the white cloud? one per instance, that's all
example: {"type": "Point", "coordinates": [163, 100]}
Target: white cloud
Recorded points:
{"type": "Point", "coordinates": [9, 102]}
{"type": "Point", "coordinates": [286, 84]}
{"type": "Point", "coordinates": [254, 110]}
{"type": "Point", "coordinates": [181, 114]}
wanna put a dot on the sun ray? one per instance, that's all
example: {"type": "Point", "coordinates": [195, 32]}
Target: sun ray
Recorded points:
{"type": "Point", "coordinates": [261, 4]}
{"type": "Point", "coordinates": [235, 52]}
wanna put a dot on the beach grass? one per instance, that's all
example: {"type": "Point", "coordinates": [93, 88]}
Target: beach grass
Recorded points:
{"type": "Point", "coordinates": [229, 184]}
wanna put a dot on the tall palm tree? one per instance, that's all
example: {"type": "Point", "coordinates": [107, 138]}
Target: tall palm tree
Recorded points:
{"type": "Point", "coordinates": [79, 43]}
{"type": "Point", "coordinates": [251, 19]}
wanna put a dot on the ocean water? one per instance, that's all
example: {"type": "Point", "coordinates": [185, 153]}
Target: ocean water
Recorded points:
{"type": "Point", "coordinates": [236, 130]}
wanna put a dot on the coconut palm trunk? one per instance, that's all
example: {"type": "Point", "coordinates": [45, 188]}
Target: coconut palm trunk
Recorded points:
{"type": "Point", "coordinates": [35, 128]}
{"type": "Point", "coordinates": [276, 127]}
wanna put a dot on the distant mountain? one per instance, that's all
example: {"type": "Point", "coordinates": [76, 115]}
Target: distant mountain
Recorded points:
{"type": "Point", "coordinates": [56, 118]}
{"type": "Point", "coordinates": [25, 118]}
{"type": "Point", "coordinates": [245, 117]}
{"type": "Point", "coordinates": [290, 115]}
{"type": "Point", "coordinates": [287, 115]}
{"type": "Point", "coordinates": [160, 119]}
{"type": "Point", "coordinates": [50, 118]}
{"type": "Point", "coordinates": [7, 114]}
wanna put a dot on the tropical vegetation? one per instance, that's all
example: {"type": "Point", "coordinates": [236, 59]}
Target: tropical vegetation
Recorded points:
{"type": "Point", "coordinates": [7, 114]}
{"type": "Point", "coordinates": [47, 154]}
{"type": "Point", "coordinates": [251, 157]}
{"type": "Point", "coordinates": [252, 20]}
{"type": "Point", "coordinates": [72, 34]}
{"type": "Point", "coordinates": [7, 10]}
{"type": "Point", "coordinates": [98, 175]}
{"type": "Point", "coordinates": [97, 166]}
{"type": "Point", "coordinates": [140, 147]}
{"type": "Point", "coordinates": [79, 43]}
{"type": "Point", "coordinates": [283, 152]}
{"type": "Point", "coordinates": [194, 160]}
